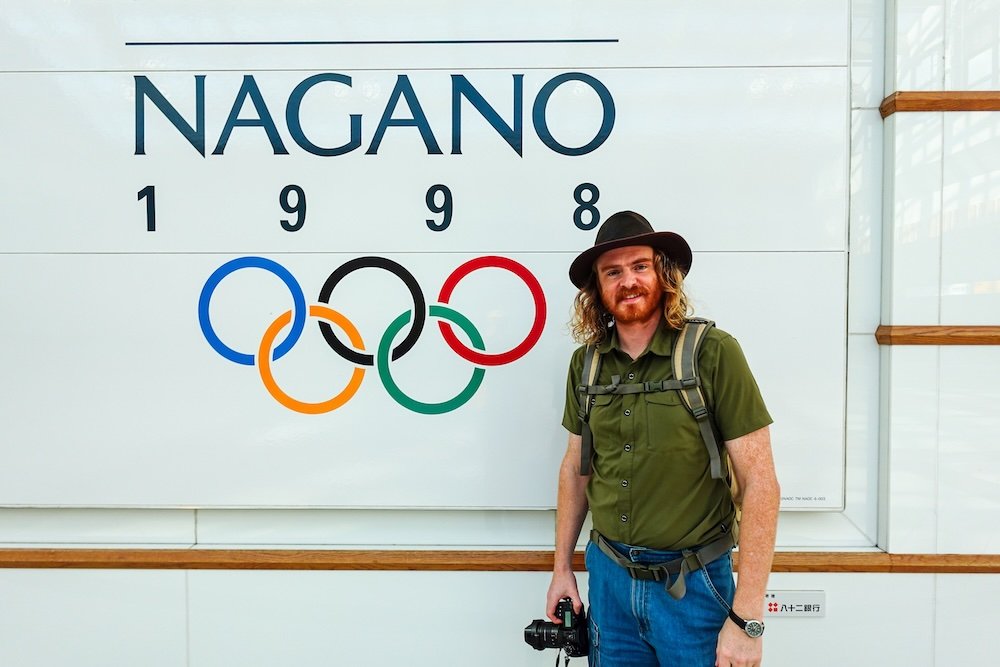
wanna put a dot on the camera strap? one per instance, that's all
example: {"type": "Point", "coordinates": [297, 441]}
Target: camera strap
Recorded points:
{"type": "Point", "coordinates": [565, 658]}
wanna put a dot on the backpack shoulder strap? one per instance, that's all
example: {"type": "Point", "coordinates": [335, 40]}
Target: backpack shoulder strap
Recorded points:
{"type": "Point", "coordinates": [685, 366]}
{"type": "Point", "coordinates": [684, 360]}
{"type": "Point", "coordinates": [591, 369]}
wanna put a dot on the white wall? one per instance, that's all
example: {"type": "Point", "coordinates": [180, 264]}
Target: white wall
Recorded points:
{"type": "Point", "coordinates": [921, 434]}
{"type": "Point", "coordinates": [73, 618]}
{"type": "Point", "coordinates": [942, 204]}
{"type": "Point", "coordinates": [739, 140]}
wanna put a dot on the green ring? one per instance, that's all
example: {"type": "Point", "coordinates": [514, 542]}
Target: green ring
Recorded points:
{"type": "Point", "coordinates": [382, 363]}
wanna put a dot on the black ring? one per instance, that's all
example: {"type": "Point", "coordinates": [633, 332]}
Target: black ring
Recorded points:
{"type": "Point", "coordinates": [419, 308]}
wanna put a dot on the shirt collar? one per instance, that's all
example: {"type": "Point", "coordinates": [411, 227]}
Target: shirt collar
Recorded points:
{"type": "Point", "coordinates": [661, 345]}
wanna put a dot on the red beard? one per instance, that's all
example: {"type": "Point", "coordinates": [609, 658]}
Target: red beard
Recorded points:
{"type": "Point", "coordinates": [641, 310]}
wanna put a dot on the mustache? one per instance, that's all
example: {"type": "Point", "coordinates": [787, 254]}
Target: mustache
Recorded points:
{"type": "Point", "coordinates": [623, 294]}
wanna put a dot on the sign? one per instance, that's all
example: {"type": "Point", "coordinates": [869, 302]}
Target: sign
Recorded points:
{"type": "Point", "coordinates": [317, 256]}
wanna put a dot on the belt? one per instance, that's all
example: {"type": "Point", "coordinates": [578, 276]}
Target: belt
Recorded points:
{"type": "Point", "coordinates": [691, 560]}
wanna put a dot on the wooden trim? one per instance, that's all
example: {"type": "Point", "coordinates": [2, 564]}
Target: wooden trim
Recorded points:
{"type": "Point", "coordinates": [277, 559]}
{"type": "Point", "coordinates": [937, 335]}
{"type": "Point", "coordinates": [463, 561]}
{"type": "Point", "coordinates": [946, 564]}
{"type": "Point", "coordinates": [947, 100]}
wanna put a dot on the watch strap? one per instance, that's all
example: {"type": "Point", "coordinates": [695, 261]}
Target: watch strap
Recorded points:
{"type": "Point", "coordinates": [735, 618]}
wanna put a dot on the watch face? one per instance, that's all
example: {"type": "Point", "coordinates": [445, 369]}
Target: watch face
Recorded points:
{"type": "Point", "coordinates": [754, 628]}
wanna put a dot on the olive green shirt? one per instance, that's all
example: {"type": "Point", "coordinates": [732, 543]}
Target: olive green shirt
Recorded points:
{"type": "Point", "coordinates": [651, 484]}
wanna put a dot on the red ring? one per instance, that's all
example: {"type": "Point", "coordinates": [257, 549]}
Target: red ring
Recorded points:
{"type": "Point", "coordinates": [481, 358]}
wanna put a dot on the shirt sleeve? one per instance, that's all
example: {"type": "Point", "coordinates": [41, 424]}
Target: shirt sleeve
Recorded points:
{"type": "Point", "coordinates": [738, 407]}
{"type": "Point", "coordinates": [571, 411]}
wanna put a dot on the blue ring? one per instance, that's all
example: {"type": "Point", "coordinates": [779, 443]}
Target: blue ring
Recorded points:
{"type": "Point", "coordinates": [298, 298]}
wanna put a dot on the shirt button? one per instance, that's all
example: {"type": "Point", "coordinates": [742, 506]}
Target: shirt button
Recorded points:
{"type": "Point", "coordinates": [628, 448]}
{"type": "Point", "coordinates": [631, 376]}
{"type": "Point", "coordinates": [624, 518]}
{"type": "Point", "coordinates": [624, 482]}
{"type": "Point", "coordinates": [628, 412]}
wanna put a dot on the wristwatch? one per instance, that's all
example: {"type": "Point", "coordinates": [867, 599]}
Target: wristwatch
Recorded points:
{"type": "Point", "coordinates": [752, 627]}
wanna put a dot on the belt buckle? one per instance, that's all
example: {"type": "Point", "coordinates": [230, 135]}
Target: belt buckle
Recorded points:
{"type": "Point", "coordinates": [645, 573]}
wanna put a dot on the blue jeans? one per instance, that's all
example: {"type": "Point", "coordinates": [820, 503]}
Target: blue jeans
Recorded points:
{"type": "Point", "coordinates": [635, 623]}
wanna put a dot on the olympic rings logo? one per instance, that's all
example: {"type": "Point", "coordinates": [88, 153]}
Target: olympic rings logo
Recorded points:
{"type": "Point", "coordinates": [295, 319]}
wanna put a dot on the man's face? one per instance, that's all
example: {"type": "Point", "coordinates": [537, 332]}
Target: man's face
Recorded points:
{"type": "Point", "coordinates": [628, 283]}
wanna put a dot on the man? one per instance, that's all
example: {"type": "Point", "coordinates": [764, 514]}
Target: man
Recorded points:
{"type": "Point", "coordinates": [650, 491]}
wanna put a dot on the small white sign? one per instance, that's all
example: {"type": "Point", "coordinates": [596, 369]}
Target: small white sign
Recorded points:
{"type": "Point", "coordinates": [811, 604]}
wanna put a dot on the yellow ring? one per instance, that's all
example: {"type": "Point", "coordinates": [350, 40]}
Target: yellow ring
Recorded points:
{"type": "Point", "coordinates": [264, 362]}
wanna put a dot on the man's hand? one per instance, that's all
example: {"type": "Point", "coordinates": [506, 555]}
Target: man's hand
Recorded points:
{"type": "Point", "coordinates": [563, 586]}
{"type": "Point", "coordinates": [736, 648]}
{"type": "Point", "coordinates": [571, 510]}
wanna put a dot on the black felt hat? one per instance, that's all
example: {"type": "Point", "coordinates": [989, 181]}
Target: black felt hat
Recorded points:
{"type": "Point", "coordinates": [629, 228]}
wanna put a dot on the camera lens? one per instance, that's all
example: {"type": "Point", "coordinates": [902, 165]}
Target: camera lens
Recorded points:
{"type": "Point", "coordinates": [542, 634]}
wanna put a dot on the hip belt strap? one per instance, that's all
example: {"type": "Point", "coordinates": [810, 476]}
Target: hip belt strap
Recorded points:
{"type": "Point", "coordinates": [691, 560]}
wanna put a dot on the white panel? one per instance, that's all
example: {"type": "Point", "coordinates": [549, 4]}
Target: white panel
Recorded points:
{"type": "Point", "coordinates": [885, 396]}
{"type": "Point", "coordinates": [734, 159]}
{"type": "Point", "coordinates": [865, 261]}
{"type": "Point", "coordinates": [92, 618]}
{"type": "Point", "coordinates": [53, 618]}
{"type": "Point", "coordinates": [973, 49]}
{"type": "Point", "coordinates": [965, 618]}
{"type": "Point", "coordinates": [915, 48]}
{"type": "Point", "coordinates": [268, 618]}
{"type": "Point", "coordinates": [969, 459]}
{"type": "Point", "coordinates": [808, 429]}
{"type": "Point", "coordinates": [912, 240]}
{"type": "Point", "coordinates": [742, 147]}
{"type": "Point", "coordinates": [880, 619]}
{"type": "Point", "coordinates": [970, 271]}
{"type": "Point", "coordinates": [378, 528]}
{"type": "Point", "coordinates": [867, 53]}
{"type": "Point", "coordinates": [366, 618]}
{"type": "Point", "coordinates": [170, 420]}
{"type": "Point", "coordinates": [359, 528]}
{"type": "Point", "coordinates": [862, 450]}
{"type": "Point", "coordinates": [912, 424]}
{"type": "Point", "coordinates": [819, 530]}
{"type": "Point", "coordinates": [857, 525]}
{"type": "Point", "coordinates": [108, 527]}
{"type": "Point", "coordinates": [93, 34]}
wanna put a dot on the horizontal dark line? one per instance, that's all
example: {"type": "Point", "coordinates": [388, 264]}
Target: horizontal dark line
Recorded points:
{"type": "Point", "coordinates": [463, 67]}
{"type": "Point", "coordinates": [370, 251]}
{"type": "Point", "coordinates": [379, 42]}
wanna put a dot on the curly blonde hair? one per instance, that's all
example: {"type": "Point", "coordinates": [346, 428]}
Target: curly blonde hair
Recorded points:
{"type": "Point", "coordinates": [591, 320]}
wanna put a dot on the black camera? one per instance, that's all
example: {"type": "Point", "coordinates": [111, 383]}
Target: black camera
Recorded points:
{"type": "Point", "coordinates": [570, 635]}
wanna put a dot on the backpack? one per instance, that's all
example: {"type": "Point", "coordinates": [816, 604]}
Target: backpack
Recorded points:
{"type": "Point", "coordinates": [687, 382]}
